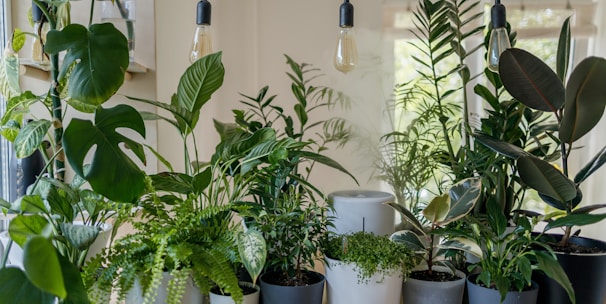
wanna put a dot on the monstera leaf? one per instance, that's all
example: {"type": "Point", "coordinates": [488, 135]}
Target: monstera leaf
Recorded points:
{"type": "Point", "coordinates": [112, 173]}
{"type": "Point", "coordinates": [16, 288]}
{"type": "Point", "coordinates": [96, 60]}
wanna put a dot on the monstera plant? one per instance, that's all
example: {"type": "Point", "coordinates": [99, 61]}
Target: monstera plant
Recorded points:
{"type": "Point", "coordinates": [94, 61]}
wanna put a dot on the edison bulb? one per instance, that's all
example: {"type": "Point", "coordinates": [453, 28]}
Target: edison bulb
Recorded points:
{"type": "Point", "coordinates": [202, 44]}
{"type": "Point", "coordinates": [346, 54]}
{"type": "Point", "coordinates": [497, 44]}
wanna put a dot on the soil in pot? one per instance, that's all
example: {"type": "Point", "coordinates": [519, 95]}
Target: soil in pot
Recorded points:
{"type": "Point", "coordinates": [433, 276]}
{"type": "Point", "coordinates": [278, 278]}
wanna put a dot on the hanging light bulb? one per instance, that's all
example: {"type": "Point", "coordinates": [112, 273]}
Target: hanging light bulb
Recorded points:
{"type": "Point", "coordinates": [346, 54]}
{"type": "Point", "coordinates": [202, 45]}
{"type": "Point", "coordinates": [499, 39]}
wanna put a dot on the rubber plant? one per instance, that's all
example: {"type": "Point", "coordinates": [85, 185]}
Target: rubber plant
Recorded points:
{"type": "Point", "coordinates": [577, 103]}
{"type": "Point", "coordinates": [94, 61]}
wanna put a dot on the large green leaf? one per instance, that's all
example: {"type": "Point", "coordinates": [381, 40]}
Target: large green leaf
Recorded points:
{"type": "Point", "coordinates": [500, 147]}
{"type": "Point", "coordinates": [15, 288]}
{"type": "Point", "coordinates": [463, 197]}
{"type": "Point", "coordinates": [9, 73]}
{"type": "Point", "coordinates": [79, 236]}
{"type": "Point", "coordinates": [575, 220]}
{"type": "Point", "coordinates": [76, 292]}
{"type": "Point", "coordinates": [546, 179]}
{"type": "Point", "coordinates": [596, 162]}
{"type": "Point", "coordinates": [23, 227]}
{"type": "Point", "coordinates": [550, 266]}
{"type": "Point", "coordinates": [563, 57]}
{"type": "Point", "coordinates": [531, 81]}
{"type": "Point", "coordinates": [253, 252]}
{"type": "Point", "coordinates": [327, 161]}
{"type": "Point", "coordinates": [585, 99]}
{"type": "Point", "coordinates": [96, 60]}
{"type": "Point", "coordinates": [30, 138]}
{"type": "Point", "coordinates": [41, 264]}
{"type": "Point", "coordinates": [199, 82]}
{"type": "Point", "coordinates": [437, 209]}
{"type": "Point", "coordinates": [112, 172]}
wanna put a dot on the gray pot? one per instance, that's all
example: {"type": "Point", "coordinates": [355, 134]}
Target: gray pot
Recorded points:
{"type": "Point", "coordinates": [277, 294]}
{"type": "Point", "coordinates": [482, 295]}
{"type": "Point", "coordinates": [419, 291]}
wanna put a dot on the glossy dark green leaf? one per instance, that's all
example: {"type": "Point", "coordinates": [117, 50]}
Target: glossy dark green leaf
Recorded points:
{"type": "Point", "coordinates": [588, 209]}
{"type": "Point", "coordinates": [551, 267]}
{"type": "Point", "coordinates": [42, 266]}
{"type": "Point", "coordinates": [585, 99]}
{"type": "Point", "coordinates": [563, 56]}
{"type": "Point", "coordinates": [199, 82]}
{"type": "Point", "coordinates": [593, 165]}
{"type": "Point", "coordinates": [23, 227]}
{"type": "Point", "coordinates": [15, 288]}
{"type": "Point", "coordinates": [30, 138]}
{"type": "Point", "coordinates": [201, 180]}
{"type": "Point", "coordinates": [531, 81]}
{"type": "Point", "coordinates": [575, 220]}
{"type": "Point", "coordinates": [501, 147]}
{"type": "Point", "coordinates": [112, 172]}
{"type": "Point", "coordinates": [96, 60]}
{"type": "Point", "coordinates": [76, 292]}
{"type": "Point", "coordinates": [546, 179]}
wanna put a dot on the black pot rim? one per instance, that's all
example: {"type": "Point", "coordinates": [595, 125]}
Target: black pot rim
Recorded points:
{"type": "Point", "coordinates": [579, 239]}
{"type": "Point", "coordinates": [321, 278]}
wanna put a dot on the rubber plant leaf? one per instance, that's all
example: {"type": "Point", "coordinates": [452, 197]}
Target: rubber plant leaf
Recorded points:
{"type": "Point", "coordinates": [23, 227]}
{"type": "Point", "coordinates": [552, 268]}
{"type": "Point", "coordinates": [409, 217]}
{"type": "Point", "coordinates": [95, 62]}
{"type": "Point", "coordinates": [253, 252]}
{"type": "Point", "coordinates": [112, 172]}
{"type": "Point", "coordinates": [546, 179]}
{"type": "Point", "coordinates": [501, 147]}
{"type": "Point", "coordinates": [563, 55]}
{"type": "Point", "coordinates": [410, 239]}
{"type": "Point", "coordinates": [531, 81]}
{"type": "Point", "coordinates": [30, 137]}
{"type": "Point", "coordinates": [199, 82]}
{"type": "Point", "coordinates": [463, 197]}
{"type": "Point", "coordinates": [596, 162]}
{"type": "Point", "coordinates": [575, 220]}
{"type": "Point", "coordinates": [585, 99]}
{"type": "Point", "coordinates": [15, 288]}
{"type": "Point", "coordinates": [463, 244]}
{"type": "Point", "coordinates": [437, 209]}
{"type": "Point", "coordinates": [42, 267]}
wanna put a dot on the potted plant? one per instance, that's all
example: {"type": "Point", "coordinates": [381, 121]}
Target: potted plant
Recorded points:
{"type": "Point", "coordinates": [363, 267]}
{"type": "Point", "coordinates": [84, 80]}
{"type": "Point", "coordinates": [507, 257]}
{"type": "Point", "coordinates": [577, 106]}
{"type": "Point", "coordinates": [435, 277]}
{"type": "Point", "coordinates": [282, 204]}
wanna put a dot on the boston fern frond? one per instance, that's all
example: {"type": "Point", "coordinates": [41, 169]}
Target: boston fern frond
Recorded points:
{"type": "Point", "coordinates": [212, 266]}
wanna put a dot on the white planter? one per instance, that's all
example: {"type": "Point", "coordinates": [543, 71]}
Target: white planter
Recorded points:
{"type": "Point", "coordinates": [248, 299]}
{"type": "Point", "coordinates": [15, 256]}
{"type": "Point", "coordinates": [192, 294]}
{"type": "Point", "coordinates": [343, 286]}
{"type": "Point", "coordinates": [361, 210]}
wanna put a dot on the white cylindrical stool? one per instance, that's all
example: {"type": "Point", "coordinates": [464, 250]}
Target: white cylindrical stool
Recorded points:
{"type": "Point", "coordinates": [362, 210]}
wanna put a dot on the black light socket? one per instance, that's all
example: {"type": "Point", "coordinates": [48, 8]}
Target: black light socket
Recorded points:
{"type": "Point", "coordinates": [36, 13]}
{"type": "Point", "coordinates": [203, 12]}
{"type": "Point", "coordinates": [346, 14]}
{"type": "Point", "coordinates": [498, 15]}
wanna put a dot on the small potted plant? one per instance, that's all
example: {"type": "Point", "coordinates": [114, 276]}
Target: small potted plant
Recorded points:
{"type": "Point", "coordinates": [577, 104]}
{"type": "Point", "coordinates": [436, 278]}
{"type": "Point", "coordinates": [365, 268]}
{"type": "Point", "coordinates": [507, 258]}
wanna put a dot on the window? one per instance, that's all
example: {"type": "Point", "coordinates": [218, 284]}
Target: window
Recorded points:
{"type": "Point", "coordinates": [6, 174]}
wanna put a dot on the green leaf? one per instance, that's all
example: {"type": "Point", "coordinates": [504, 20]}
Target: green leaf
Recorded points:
{"type": "Point", "coordinates": [496, 218]}
{"type": "Point", "coordinates": [42, 266]}
{"type": "Point", "coordinates": [24, 227]}
{"type": "Point", "coordinates": [596, 162]}
{"type": "Point", "coordinates": [15, 288]}
{"type": "Point", "coordinates": [30, 138]}
{"type": "Point", "coordinates": [172, 182]}
{"type": "Point", "coordinates": [253, 252]}
{"type": "Point", "coordinates": [552, 268]}
{"type": "Point", "coordinates": [563, 56]}
{"type": "Point", "coordinates": [463, 197]}
{"type": "Point", "coordinates": [546, 179]}
{"type": "Point", "coordinates": [199, 82]}
{"type": "Point", "coordinates": [500, 147]}
{"type": "Point", "coordinates": [585, 99]}
{"type": "Point", "coordinates": [79, 236]}
{"type": "Point", "coordinates": [112, 172]}
{"type": "Point", "coordinates": [408, 216]}
{"type": "Point", "coordinates": [531, 81]}
{"type": "Point", "coordinates": [76, 292]}
{"type": "Point", "coordinates": [29, 204]}
{"type": "Point", "coordinates": [9, 73]}
{"type": "Point", "coordinates": [82, 106]}
{"type": "Point", "coordinates": [327, 162]}
{"type": "Point", "coordinates": [465, 245]}
{"type": "Point", "coordinates": [437, 209]}
{"type": "Point", "coordinates": [17, 106]}
{"type": "Point", "coordinates": [575, 220]}
{"type": "Point", "coordinates": [18, 40]}
{"type": "Point", "coordinates": [410, 239]}
{"type": "Point", "coordinates": [10, 130]}
{"type": "Point", "coordinates": [96, 60]}
{"type": "Point", "coordinates": [201, 180]}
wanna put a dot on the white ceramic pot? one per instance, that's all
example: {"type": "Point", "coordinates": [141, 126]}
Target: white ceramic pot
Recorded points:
{"type": "Point", "coordinates": [362, 210]}
{"type": "Point", "coordinates": [252, 298]}
{"type": "Point", "coordinates": [192, 294]}
{"type": "Point", "coordinates": [15, 256]}
{"type": "Point", "coordinates": [344, 287]}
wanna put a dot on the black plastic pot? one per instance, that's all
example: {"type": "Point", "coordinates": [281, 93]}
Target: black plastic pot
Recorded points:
{"type": "Point", "coordinates": [277, 294]}
{"type": "Point", "coordinates": [482, 295]}
{"type": "Point", "coordinates": [587, 273]}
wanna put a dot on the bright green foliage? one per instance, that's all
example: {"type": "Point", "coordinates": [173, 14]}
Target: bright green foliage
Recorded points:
{"type": "Point", "coordinates": [371, 254]}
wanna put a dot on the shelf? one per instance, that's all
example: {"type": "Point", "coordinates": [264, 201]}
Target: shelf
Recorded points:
{"type": "Point", "coordinates": [42, 70]}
